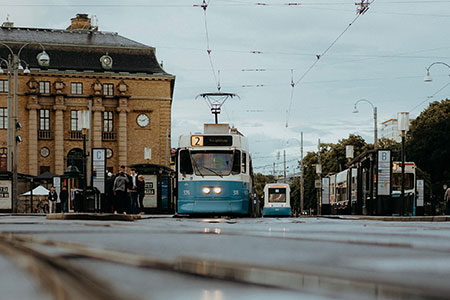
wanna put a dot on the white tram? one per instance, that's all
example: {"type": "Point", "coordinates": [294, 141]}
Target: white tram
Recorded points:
{"type": "Point", "coordinates": [277, 199]}
{"type": "Point", "coordinates": [214, 173]}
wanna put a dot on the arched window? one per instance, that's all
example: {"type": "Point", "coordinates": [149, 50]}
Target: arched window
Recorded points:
{"type": "Point", "coordinates": [75, 158]}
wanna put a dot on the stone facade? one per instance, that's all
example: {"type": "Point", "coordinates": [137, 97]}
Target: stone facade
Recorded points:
{"type": "Point", "coordinates": [133, 94]}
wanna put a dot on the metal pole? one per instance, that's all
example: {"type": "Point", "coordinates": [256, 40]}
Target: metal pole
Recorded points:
{"type": "Point", "coordinates": [88, 154]}
{"type": "Point", "coordinates": [15, 108]}
{"type": "Point", "coordinates": [9, 110]}
{"type": "Point", "coordinates": [84, 169]}
{"type": "Point", "coordinates": [319, 198]}
{"type": "Point", "coordinates": [284, 159]}
{"type": "Point", "coordinates": [302, 181]}
{"type": "Point", "coordinates": [375, 133]}
{"type": "Point", "coordinates": [167, 147]}
{"type": "Point", "coordinates": [402, 196]}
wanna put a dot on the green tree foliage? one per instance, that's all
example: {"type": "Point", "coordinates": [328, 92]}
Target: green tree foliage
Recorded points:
{"type": "Point", "coordinates": [260, 181]}
{"type": "Point", "coordinates": [395, 147]}
{"type": "Point", "coordinates": [428, 143]}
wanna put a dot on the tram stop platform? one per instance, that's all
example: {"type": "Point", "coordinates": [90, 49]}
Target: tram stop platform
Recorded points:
{"type": "Point", "coordinates": [93, 217]}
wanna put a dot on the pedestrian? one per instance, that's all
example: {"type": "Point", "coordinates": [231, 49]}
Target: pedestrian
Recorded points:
{"type": "Point", "coordinates": [120, 190]}
{"type": "Point", "coordinates": [109, 193]}
{"type": "Point", "coordinates": [433, 201]}
{"type": "Point", "coordinates": [447, 200]}
{"type": "Point", "coordinates": [141, 192]}
{"type": "Point", "coordinates": [52, 197]}
{"type": "Point", "coordinates": [133, 191]}
{"type": "Point", "coordinates": [64, 196]}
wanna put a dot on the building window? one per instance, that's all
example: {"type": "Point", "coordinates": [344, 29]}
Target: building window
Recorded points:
{"type": "Point", "coordinates": [44, 119]}
{"type": "Point", "coordinates": [77, 88]}
{"type": "Point", "coordinates": [3, 86]}
{"type": "Point", "coordinates": [108, 89]}
{"type": "Point", "coordinates": [75, 124]}
{"type": "Point", "coordinates": [43, 169]}
{"type": "Point", "coordinates": [108, 126]}
{"type": "Point", "coordinates": [44, 87]}
{"type": "Point", "coordinates": [108, 121]}
{"type": "Point", "coordinates": [3, 118]}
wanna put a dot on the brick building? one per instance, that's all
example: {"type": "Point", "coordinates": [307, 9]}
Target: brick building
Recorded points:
{"type": "Point", "coordinates": [118, 80]}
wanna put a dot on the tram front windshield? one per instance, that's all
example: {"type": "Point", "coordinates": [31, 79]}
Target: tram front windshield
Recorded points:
{"type": "Point", "coordinates": [277, 195]}
{"type": "Point", "coordinates": [212, 163]}
{"type": "Point", "coordinates": [397, 181]}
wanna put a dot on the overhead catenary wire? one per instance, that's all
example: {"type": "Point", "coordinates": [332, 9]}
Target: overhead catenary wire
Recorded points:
{"type": "Point", "coordinates": [430, 97]}
{"type": "Point", "coordinates": [364, 6]}
{"type": "Point", "coordinates": [204, 6]}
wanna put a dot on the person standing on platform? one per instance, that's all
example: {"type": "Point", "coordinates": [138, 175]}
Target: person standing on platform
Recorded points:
{"type": "Point", "coordinates": [109, 193]}
{"type": "Point", "coordinates": [133, 191]}
{"type": "Point", "coordinates": [64, 197]}
{"type": "Point", "coordinates": [52, 197]}
{"type": "Point", "coordinates": [120, 190]}
{"type": "Point", "coordinates": [141, 192]}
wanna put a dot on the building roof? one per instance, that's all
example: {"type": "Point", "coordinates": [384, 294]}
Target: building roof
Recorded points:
{"type": "Point", "coordinates": [80, 50]}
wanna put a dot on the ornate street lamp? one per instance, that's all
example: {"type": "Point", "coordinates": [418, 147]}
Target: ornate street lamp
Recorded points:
{"type": "Point", "coordinates": [428, 76]}
{"type": "Point", "coordinates": [375, 130]}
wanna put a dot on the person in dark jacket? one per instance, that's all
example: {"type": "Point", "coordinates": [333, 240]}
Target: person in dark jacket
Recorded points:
{"type": "Point", "coordinates": [52, 197]}
{"type": "Point", "coordinates": [120, 190]}
{"type": "Point", "coordinates": [141, 192]}
{"type": "Point", "coordinates": [64, 196]}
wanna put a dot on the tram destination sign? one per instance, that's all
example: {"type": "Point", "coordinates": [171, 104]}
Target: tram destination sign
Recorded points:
{"type": "Point", "coordinates": [211, 140]}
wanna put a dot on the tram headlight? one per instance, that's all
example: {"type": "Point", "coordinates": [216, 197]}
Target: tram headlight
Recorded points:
{"type": "Point", "coordinates": [217, 190]}
{"type": "Point", "coordinates": [206, 190]}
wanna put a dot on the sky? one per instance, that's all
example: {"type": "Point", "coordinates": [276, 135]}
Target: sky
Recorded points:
{"type": "Point", "coordinates": [260, 47]}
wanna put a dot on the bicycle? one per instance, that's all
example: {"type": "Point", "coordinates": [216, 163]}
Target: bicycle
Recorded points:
{"type": "Point", "coordinates": [41, 207]}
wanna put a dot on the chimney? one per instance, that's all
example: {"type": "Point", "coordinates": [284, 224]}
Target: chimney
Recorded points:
{"type": "Point", "coordinates": [7, 23]}
{"type": "Point", "coordinates": [81, 22]}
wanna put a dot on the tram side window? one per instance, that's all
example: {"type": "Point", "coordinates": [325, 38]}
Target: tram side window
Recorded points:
{"type": "Point", "coordinates": [185, 163]}
{"type": "Point", "coordinates": [236, 163]}
{"type": "Point", "coordinates": [244, 162]}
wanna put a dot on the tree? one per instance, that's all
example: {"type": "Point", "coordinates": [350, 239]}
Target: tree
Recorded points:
{"type": "Point", "coordinates": [428, 143]}
{"type": "Point", "coordinates": [260, 181]}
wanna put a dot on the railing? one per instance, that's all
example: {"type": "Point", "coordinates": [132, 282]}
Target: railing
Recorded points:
{"type": "Point", "coordinates": [76, 135]}
{"type": "Point", "coordinates": [109, 136]}
{"type": "Point", "coordinates": [44, 135]}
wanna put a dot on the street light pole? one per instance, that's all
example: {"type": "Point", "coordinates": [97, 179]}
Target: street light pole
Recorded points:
{"type": "Point", "coordinates": [375, 127]}
{"type": "Point", "coordinates": [14, 65]}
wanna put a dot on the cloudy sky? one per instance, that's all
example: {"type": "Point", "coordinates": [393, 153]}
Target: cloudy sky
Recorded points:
{"type": "Point", "coordinates": [259, 49]}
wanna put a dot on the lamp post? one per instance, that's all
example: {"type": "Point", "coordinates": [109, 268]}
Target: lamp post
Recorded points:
{"type": "Point", "coordinates": [85, 123]}
{"type": "Point", "coordinates": [403, 126]}
{"type": "Point", "coordinates": [14, 66]}
{"type": "Point", "coordinates": [375, 131]}
{"type": "Point", "coordinates": [428, 76]}
{"type": "Point", "coordinates": [302, 179]}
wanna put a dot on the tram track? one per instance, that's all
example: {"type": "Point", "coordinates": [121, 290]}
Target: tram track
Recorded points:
{"type": "Point", "coordinates": [49, 257]}
{"type": "Point", "coordinates": [58, 277]}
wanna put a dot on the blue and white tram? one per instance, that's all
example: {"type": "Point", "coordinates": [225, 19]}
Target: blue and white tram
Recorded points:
{"type": "Point", "coordinates": [277, 199]}
{"type": "Point", "coordinates": [214, 173]}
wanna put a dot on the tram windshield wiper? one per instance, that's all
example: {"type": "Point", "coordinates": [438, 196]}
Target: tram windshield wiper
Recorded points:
{"type": "Point", "coordinates": [212, 170]}
{"type": "Point", "coordinates": [196, 166]}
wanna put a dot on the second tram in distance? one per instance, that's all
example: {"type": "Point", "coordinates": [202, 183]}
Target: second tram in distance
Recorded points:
{"type": "Point", "coordinates": [214, 173]}
{"type": "Point", "coordinates": [277, 200]}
